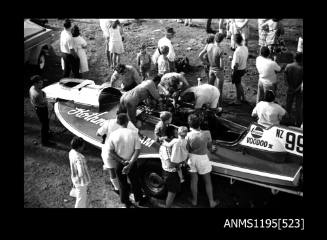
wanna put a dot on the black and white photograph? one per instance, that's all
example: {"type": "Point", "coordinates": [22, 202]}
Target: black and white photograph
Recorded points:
{"type": "Point", "coordinates": [163, 113]}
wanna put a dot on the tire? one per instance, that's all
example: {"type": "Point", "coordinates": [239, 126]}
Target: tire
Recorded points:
{"type": "Point", "coordinates": [152, 179]}
{"type": "Point", "coordinates": [41, 62]}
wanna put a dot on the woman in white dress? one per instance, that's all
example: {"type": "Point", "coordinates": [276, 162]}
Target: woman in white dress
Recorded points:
{"type": "Point", "coordinates": [116, 46]}
{"type": "Point", "coordinates": [80, 44]}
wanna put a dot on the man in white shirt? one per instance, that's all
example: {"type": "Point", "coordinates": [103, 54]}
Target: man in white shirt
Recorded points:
{"type": "Point", "coordinates": [69, 55]}
{"type": "Point", "coordinates": [105, 130]}
{"type": "Point", "coordinates": [239, 62]}
{"type": "Point", "coordinates": [166, 41]}
{"type": "Point", "coordinates": [203, 94]}
{"type": "Point", "coordinates": [267, 69]}
{"type": "Point", "coordinates": [105, 25]}
{"type": "Point", "coordinates": [268, 112]}
{"type": "Point", "coordinates": [125, 147]}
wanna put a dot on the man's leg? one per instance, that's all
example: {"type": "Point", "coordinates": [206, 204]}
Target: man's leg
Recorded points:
{"type": "Point", "coordinates": [208, 28]}
{"type": "Point", "coordinates": [208, 186]}
{"type": "Point", "coordinates": [113, 178]}
{"type": "Point", "coordinates": [42, 114]}
{"type": "Point", "coordinates": [75, 66]}
{"type": "Point", "coordinates": [123, 185]}
{"type": "Point", "coordinates": [260, 93]}
{"type": "Point", "coordinates": [81, 197]}
{"type": "Point", "coordinates": [299, 109]}
{"type": "Point", "coordinates": [220, 79]}
{"type": "Point", "coordinates": [289, 103]}
{"type": "Point", "coordinates": [194, 188]}
{"type": "Point", "coordinates": [212, 77]}
{"type": "Point", "coordinates": [135, 182]}
{"type": "Point", "coordinates": [170, 199]}
{"type": "Point", "coordinates": [67, 65]}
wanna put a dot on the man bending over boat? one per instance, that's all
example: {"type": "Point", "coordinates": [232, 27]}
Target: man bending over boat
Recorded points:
{"type": "Point", "coordinates": [202, 94]}
{"type": "Point", "coordinates": [131, 99]}
{"type": "Point", "coordinates": [128, 75]}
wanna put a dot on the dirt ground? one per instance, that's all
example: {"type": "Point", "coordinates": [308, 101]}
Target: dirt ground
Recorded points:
{"type": "Point", "coordinates": [46, 170]}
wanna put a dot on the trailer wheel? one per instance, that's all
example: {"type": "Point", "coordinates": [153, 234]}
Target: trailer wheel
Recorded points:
{"type": "Point", "coordinates": [152, 179]}
{"type": "Point", "coordinates": [41, 61]}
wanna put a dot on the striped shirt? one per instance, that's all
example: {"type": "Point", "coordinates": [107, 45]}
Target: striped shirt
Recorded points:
{"type": "Point", "coordinates": [79, 173]}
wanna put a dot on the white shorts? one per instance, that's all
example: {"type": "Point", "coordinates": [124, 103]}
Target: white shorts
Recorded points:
{"type": "Point", "coordinates": [108, 162]}
{"type": "Point", "coordinates": [199, 163]}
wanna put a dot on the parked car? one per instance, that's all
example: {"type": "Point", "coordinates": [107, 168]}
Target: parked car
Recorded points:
{"type": "Point", "coordinates": [37, 43]}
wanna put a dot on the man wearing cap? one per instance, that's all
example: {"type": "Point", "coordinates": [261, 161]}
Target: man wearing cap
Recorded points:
{"type": "Point", "coordinates": [166, 41]}
{"type": "Point", "coordinates": [40, 104]}
{"type": "Point", "coordinates": [69, 55]}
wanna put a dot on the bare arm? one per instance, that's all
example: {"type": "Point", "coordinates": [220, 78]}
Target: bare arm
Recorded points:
{"type": "Point", "coordinates": [127, 168]}
{"type": "Point", "coordinates": [114, 78]}
{"type": "Point", "coordinates": [138, 60]}
{"type": "Point", "coordinates": [115, 156]}
{"type": "Point", "coordinates": [202, 53]}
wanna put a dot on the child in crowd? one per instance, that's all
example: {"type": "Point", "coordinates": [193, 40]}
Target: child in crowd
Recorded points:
{"type": "Point", "coordinates": [170, 174]}
{"type": "Point", "coordinates": [210, 40]}
{"type": "Point", "coordinates": [179, 153]}
{"type": "Point", "coordinates": [144, 62]}
{"type": "Point", "coordinates": [161, 127]}
{"type": "Point", "coordinates": [79, 172]}
{"type": "Point", "coordinates": [163, 63]}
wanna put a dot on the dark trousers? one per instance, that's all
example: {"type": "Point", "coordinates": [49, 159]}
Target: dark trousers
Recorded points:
{"type": "Point", "coordinates": [298, 106]}
{"type": "Point", "coordinates": [125, 188]}
{"type": "Point", "coordinates": [209, 24]}
{"type": "Point", "coordinates": [42, 114]}
{"type": "Point", "coordinates": [71, 63]}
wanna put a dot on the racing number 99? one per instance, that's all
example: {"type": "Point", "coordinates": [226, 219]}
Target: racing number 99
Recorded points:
{"type": "Point", "coordinates": [291, 141]}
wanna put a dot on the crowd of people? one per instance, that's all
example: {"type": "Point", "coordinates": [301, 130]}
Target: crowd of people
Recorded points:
{"type": "Point", "coordinates": [180, 146]}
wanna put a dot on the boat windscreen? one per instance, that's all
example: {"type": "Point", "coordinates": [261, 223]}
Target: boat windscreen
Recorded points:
{"type": "Point", "coordinates": [69, 84]}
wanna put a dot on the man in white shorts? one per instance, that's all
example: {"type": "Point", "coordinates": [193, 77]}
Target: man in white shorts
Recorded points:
{"type": "Point", "coordinates": [198, 143]}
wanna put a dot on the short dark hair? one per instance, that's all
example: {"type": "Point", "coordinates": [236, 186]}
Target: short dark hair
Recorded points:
{"type": "Point", "coordinates": [122, 119]}
{"type": "Point", "coordinates": [76, 142]}
{"type": "Point", "coordinates": [115, 24]}
{"type": "Point", "coordinates": [75, 31]}
{"type": "Point", "coordinates": [121, 109]}
{"type": "Point", "coordinates": [120, 68]}
{"type": "Point", "coordinates": [67, 23]}
{"type": "Point", "coordinates": [170, 131]}
{"type": "Point", "coordinates": [164, 50]}
{"type": "Point", "coordinates": [210, 38]}
{"type": "Point", "coordinates": [298, 57]}
{"type": "Point", "coordinates": [269, 96]}
{"type": "Point", "coordinates": [193, 121]}
{"type": "Point", "coordinates": [157, 78]}
{"type": "Point", "coordinates": [238, 38]}
{"type": "Point", "coordinates": [264, 51]}
{"type": "Point", "coordinates": [219, 37]}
